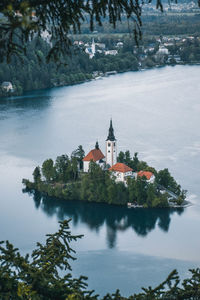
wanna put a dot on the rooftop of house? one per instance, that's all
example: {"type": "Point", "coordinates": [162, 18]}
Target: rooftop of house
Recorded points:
{"type": "Point", "coordinates": [6, 83]}
{"type": "Point", "coordinates": [94, 155]}
{"type": "Point", "coordinates": [147, 174]}
{"type": "Point", "coordinates": [120, 167]}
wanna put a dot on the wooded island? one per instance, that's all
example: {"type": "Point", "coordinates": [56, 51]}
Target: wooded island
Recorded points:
{"type": "Point", "coordinates": [65, 179]}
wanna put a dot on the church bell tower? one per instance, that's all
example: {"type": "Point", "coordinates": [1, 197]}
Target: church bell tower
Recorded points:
{"type": "Point", "coordinates": [111, 147]}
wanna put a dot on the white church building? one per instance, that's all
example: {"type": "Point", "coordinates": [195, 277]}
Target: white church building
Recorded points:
{"type": "Point", "coordinates": [119, 171]}
{"type": "Point", "coordinates": [98, 157]}
{"type": "Point", "coordinates": [94, 155]}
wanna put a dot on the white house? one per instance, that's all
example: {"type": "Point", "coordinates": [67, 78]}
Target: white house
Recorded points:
{"type": "Point", "coordinates": [91, 50]}
{"type": "Point", "coordinates": [94, 155]}
{"type": "Point", "coordinates": [121, 172]}
{"type": "Point", "coordinates": [7, 86]}
{"type": "Point", "coordinates": [150, 177]}
{"type": "Point", "coordinates": [162, 50]}
{"type": "Point", "coordinates": [111, 52]}
{"type": "Point", "coordinates": [98, 157]}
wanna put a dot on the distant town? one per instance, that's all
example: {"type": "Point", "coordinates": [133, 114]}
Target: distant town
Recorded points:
{"type": "Point", "coordinates": [170, 38]}
{"type": "Point", "coordinates": [107, 55]}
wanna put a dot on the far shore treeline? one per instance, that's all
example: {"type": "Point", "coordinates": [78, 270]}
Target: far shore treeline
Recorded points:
{"type": "Point", "coordinates": [26, 74]}
{"type": "Point", "coordinates": [65, 179]}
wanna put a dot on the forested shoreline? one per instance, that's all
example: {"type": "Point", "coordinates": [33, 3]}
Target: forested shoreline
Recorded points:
{"type": "Point", "coordinates": [65, 179]}
{"type": "Point", "coordinates": [32, 72]}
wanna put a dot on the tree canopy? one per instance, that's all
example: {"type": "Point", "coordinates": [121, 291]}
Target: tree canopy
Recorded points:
{"type": "Point", "coordinates": [22, 20]}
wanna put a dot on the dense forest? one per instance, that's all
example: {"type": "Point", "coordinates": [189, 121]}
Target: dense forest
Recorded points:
{"type": "Point", "coordinates": [64, 179]}
{"type": "Point", "coordinates": [28, 73]}
{"type": "Point", "coordinates": [154, 24]}
{"type": "Point", "coordinates": [31, 70]}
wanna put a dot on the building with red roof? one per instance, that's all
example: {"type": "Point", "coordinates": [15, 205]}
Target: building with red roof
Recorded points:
{"type": "Point", "coordinates": [149, 175]}
{"type": "Point", "coordinates": [94, 155]}
{"type": "Point", "coordinates": [121, 172]}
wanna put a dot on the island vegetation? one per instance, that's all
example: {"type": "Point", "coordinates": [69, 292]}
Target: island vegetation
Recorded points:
{"type": "Point", "coordinates": [47, 274]}
{"type": "Point", "coordinates": [65, 179]}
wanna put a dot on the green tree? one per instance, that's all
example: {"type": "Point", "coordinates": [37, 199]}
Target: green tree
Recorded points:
{"type": "Point", "coordinates": [22, 20]}
{"type": "Point", "coordinates": [151, 192]}
{"type": "Point", "coordinates": [164, 178]}
{"type": "Point", "coordinates": [135, 162]}
{"type": "Point", "coordinates": [61, 166]}
{"type": "Point", "coordinates": [48, 170]}
{"type": "Point", "coordinates": [79, 153]}
{"type": "Point", "coordinates": [39, 277]}
{"type": "Point", "coordinates": [37, 175]}
{"type": "Point", "coordinates": [121, 157]}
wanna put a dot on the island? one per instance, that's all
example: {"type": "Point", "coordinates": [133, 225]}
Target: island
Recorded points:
{"type": "Point", "coordinates": [112, 179]}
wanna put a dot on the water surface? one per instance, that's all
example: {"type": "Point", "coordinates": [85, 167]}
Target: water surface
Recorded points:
{"type": "Point", "coordinates": [155, 113]}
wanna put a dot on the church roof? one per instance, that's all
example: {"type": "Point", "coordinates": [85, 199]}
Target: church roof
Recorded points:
{"type": "Point", "coordinates": [120, 167]}
{"type": "Point", "coordinates": [147, 174]}
{"type": "Point", "coordinates": [111, 136]}
{"type": "Point", "coordinates": [94, 155]}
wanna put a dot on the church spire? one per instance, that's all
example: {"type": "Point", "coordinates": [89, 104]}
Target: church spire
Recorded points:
{"type": "Point", "coordinates": [111, 136]}
{"type": "Point", "coordinates": [97, 145]}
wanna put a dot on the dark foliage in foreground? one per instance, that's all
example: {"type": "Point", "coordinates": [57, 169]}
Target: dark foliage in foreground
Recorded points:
{"type": "Point", "coordinates": [37, 276]}
{"type": "Point", "coordinates": [22, 20]}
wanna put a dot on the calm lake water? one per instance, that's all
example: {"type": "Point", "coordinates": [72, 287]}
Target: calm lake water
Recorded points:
{"type": "Point", "coordinates": [155, 113]}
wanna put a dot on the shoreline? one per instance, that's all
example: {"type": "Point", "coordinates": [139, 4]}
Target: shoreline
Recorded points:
{"type": "Point", "coordinates": [97, 77]}
{"type": "Point", "coordinates": [32, 190]}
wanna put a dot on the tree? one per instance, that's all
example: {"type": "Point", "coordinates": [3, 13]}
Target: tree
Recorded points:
{"type": "Point", "coordinates": [37, 175]}
{"type": "Point", "coordinates": [48, 170]}
{"type": "Point", "coordinates": [135, 161]}
{"type": "Point", "coordinates": [79, 153]}
{"type": "Point", "coordinates": [61, 166]}
{"type": "Point", "coordinates": [38, 276]}
{"type": "Point", "coordinates": [121, 157]}
{"type": "Point", "coordinates": [22, 20]}
{"type": "Point", "coordinates": [151, 191]}
{"type": "Point", "coordinates": [164, 178]}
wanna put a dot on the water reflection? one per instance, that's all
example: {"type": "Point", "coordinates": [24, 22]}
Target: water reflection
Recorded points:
{"type": "Point", "coordinates": [36, 100]}
{"type": "Point", "coordinates": [116, 218]}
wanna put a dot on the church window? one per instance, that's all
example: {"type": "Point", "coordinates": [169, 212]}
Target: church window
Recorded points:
{"type": "Point", "coordinates": [108, 144]}
{"type": "Point", "coordinates": [114, 144]}
{"type": "Point", "coordinates": [108, 151]}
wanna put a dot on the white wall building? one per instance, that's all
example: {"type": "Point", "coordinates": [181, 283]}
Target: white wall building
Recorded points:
{"type": "Point", "coordinates": [111, 52]}
{"type": "Point", "coordinates": [7, 86]}
{"type": "Point", "coordinates": [94, 155]}
{"type": "Point", "coordinates": [162, 50]}
{"type": "Point", "coordinates": [111, 147]}
{"type": "Point", "coordinates": [150, 177]}
{"type": "Point", "coordinates": [91, 50]}
{"type": "Point", "coordinates": [121, 172]}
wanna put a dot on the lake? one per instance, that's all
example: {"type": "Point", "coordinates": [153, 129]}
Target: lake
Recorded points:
{"type": "Point", "coordinates": [155, 113]}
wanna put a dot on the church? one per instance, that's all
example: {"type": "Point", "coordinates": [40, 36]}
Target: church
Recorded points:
{"type": "Point", "coordinates": [109, 160]}
{"type": "Point", "coordinates": [96, 155]}
{"type": "Point", "coordinates": [120, 171]}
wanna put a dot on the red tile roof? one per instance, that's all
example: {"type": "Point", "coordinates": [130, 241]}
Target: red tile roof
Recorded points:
{"type": "Point", "coordinates": [147, 174]}
{"type": "Point", "coordinates": [94, 155]}
{"type": "Point", "coordinates": [120, 167]}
